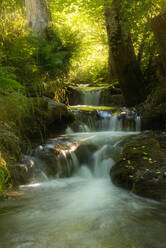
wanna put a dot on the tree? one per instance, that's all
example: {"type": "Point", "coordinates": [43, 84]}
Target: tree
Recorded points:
{"type": "Point", "coordinates": [122, 59]}
{"type": "Point", "coordinates": [158, 26]}
{"type": "Point", "coordinates": [37, 15]}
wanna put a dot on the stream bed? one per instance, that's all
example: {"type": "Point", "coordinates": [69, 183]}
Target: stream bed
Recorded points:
{"type": "Point", "coordinates": [81, 213]}
{"type": "Point", "coordinates": [85, 210]}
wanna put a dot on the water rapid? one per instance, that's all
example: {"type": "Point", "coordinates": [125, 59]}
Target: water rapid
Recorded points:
{"type": "Point", "coordinates": [85, 210]}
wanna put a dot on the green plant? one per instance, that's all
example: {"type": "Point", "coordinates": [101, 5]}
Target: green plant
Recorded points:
{"type": "Point", "coordinates": [4, 176]}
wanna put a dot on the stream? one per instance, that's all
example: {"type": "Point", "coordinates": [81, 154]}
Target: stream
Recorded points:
{"type": "Point", "coordinates": [85, 210]}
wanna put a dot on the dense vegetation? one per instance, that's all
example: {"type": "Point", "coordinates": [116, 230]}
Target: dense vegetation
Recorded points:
{"type": "Point", "coordinates": [75, 50]}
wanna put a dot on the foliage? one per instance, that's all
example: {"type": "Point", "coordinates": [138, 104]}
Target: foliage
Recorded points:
{"type": "Point", "coordinates": [9, 85]}
{"type": "Point", "coordinates": [86, 18]}
{"type": "Point", "coordinates": [25, 116]}
{"type": "Point", "coordinates": [33, 60]}
{"type": "Point", "coordinates": [136, 15]}
{"type": "Point", "coordinates": [4, 176]}
{"type": "Point", "coordinates": [76, 46]}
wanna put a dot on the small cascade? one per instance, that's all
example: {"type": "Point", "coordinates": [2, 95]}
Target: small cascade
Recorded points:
{"type": "Point", "coordinates": [33, 168]}
{"type": "Point", "coordinates": [88, 95]}
{"type": "Point", "coordinates": [103, 162]}
{"type": "Point", "coordinates": [105, 120]}
{"type": "Point", "coordinates": [127, 120]}
{"type": "Point", "coordinates": [138, 123]}
{"type": "Point", "coordinates": [75, 161]}
{"type": "Point", "coordinates": [84, 172]}
{"type": "Point", "coordinates": [86, 209]}
{"type": "Point", "coordinates": [91, 98]}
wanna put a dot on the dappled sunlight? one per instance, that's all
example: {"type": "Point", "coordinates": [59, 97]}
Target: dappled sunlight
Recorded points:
{"type": "Point", "coordinates": [61, 163]}
{"type": "Point", "coordinates": [92, 56]}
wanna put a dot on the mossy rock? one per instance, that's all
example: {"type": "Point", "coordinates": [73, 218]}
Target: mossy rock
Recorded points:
{"type": "Point", "coordinates": [74, 96]}
{"type": "Point", "coordinates": [113, 100]}
{"type": "Point", "coordinates": [141, 167]}
{"type": "Point", "coordinates": [154, 110]}
{"type": "Point", "coordinates": [59, 116]}
{"type": "Point", "coordinates": [10, 144]}
{"type": "Point", "coordinates": [85, 149]}
{"type": "Point", "coordinates": [10, 153]}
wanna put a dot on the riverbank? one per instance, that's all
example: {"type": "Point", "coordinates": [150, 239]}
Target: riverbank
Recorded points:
{"type": "Point", "coordinates": [23, 121]}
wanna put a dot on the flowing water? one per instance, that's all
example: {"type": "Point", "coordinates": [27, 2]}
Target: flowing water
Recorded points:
{"type": "Point", "coordinates": [85, 210]}
{"type": "Point", "coordinates": [89, 95]}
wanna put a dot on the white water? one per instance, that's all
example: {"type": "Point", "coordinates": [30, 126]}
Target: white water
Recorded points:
{"type": "Point", "coordinates": [86, 210]}
{"type": "Point", "coordinates": [104, 120]}
{"type": "Point", "coordinates": [81, 212]}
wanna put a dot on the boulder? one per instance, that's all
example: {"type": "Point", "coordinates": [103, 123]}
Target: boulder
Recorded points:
{"type": "Point", "coordinates": [58, 116]}
{"type": "Point", "coordinates": [154, 110]}
{"type": "Point", "coordinates": [141, 167]}
{"type": "Point", "coordinates": [74, 96]}
{"type": "Point", "coordinates": [87, 149]}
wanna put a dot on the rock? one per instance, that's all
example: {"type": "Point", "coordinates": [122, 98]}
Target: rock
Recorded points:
{"type": "Point", "coordinates": [74, 95]}
{"type": "Point", "coordinates": [87, 149]}
{"type": "Point", "coordinates": [129, 119]}
{"type": "Point", "coordinates": [113, 100]}
{"type": "Point", "coordinates": [50, 117]}
{"type": "Point", "coordinates": [85, 118]}
{"type": "Point", "coordinates": [47, 162]}
{"type": "Point", "coordinates": [59, 116]}
{"type": "Point", "coordinates": [154, 110]}
{"type": "Point", "coordinates": [109, 96]}
{"type": "Point", "coordinates": [141, 167]}
{"type": "Point", "coordinates": [20, 174]}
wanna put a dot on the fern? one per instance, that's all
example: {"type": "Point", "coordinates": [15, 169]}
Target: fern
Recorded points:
{"type": "Point", "coordinates": [10, 85]}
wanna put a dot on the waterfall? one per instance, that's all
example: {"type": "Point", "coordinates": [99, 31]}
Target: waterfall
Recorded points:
{"type": "Point", "coordinates": [91, 97]}
{"type": "Point", "coordinates": [70, 200]}
{"type": "Point", "coordinates": [103, 162]}
{"type": "Point", "coordinates": [104, 120]}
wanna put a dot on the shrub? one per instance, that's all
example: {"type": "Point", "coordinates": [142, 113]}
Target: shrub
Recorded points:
{"type": "Point", "coordinates": [4, 176]}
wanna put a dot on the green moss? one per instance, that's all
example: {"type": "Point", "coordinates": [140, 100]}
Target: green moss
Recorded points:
{"type": "Point", "coordinates": [4, 176]}
{"type": "Point", "coordinates": [88, 88]}
{"type": "Point", "coordinates": [141, 167]}
{"type": "Point", "coordinates": [94, 108]}
{"type": "Point", "coordinates": [154, 110]}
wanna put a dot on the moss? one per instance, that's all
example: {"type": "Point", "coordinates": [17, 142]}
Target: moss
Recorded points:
{"type": "Point", "coordinates": [94, 108]}
{"type": "Point", "coordinates": [4, 176]}
{"type": "Point", "coordinates": [21, 120]}
{"type": "Point", "coordinates": [141, 167]}
{"type": "Point", "coordinates": [87, 88]}
{"type": "Point", "coordinates": [154, 110]}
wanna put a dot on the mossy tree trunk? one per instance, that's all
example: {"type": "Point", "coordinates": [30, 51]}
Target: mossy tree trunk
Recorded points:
{"type": "Point", "coordinates": [38, 16]}
{"type": "Point", "coordinates": [122, 59]}
{"type": "Point", "coordinates": [158, 26]}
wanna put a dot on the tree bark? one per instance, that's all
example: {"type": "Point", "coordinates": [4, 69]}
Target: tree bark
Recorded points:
{"type": "Point", "coordinates": [122, 60]}
{"type": "Point", "coordinates": [37, 15]}
{"type": "Point", "coordinates": [158, 26]}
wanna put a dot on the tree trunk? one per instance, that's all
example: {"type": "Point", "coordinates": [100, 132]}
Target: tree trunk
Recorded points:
{"type": "Point", "coordinates": [158, 25]}
{"type": "Point", "coordinates": [123, 63]}
{"type": "Point", "coordinates": [38, 15]}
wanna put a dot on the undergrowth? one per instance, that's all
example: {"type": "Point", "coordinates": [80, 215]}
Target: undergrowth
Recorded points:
{"type": "Point", "coordinates": [4, 176]}
{"type": "Point", "coordinates": [30, 67]}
